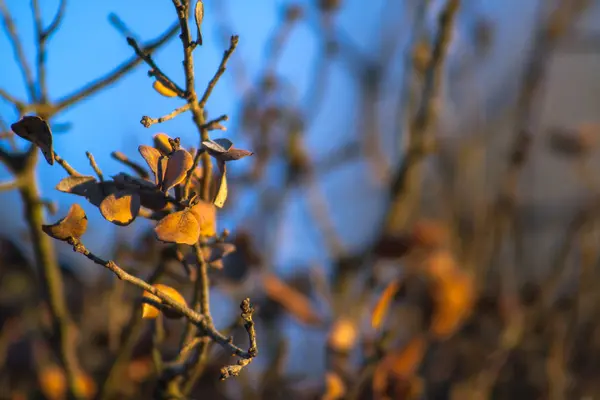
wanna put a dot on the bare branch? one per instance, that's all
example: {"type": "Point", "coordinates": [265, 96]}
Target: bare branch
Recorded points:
{"type": "Point", "coordinates": [95, 166]}
{"type": "Point", "coordinates": [115, 74]}
{"type": "Point", "coordinates": [10, 185]}
{"type": "Point", "coordinates": [141, 171]}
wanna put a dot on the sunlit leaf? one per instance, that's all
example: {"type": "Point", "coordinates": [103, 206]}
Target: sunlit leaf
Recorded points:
{"type": "Point", "coordinates": [179, 163]}
{"type": "Point", "coordinates": [153, 158]}
{"type": "Point", "coordinates": [222, 191]}
{"type": "Point", "coordinates": [199, 16]}
{"type": "Point", "coordinates": [163, 90]}
{"type": "Point", "coordinates": [121, 207]}
{"type": "Point", "coordinates": [149, 311]}
{"type": "Point", "coordinates": [206, 214]}
{"type": "Point", "coordinates": [79, 185]}
{"type": "Point", "coordinates": [335, 388]}
{"type": "Point", "coordinates": [73, 225]}
{"type": "Point", "coordinates": [53, 383]}
{"type": "Point", "coordinates": [37, 131]}
{"type": "Point", "coordinates": [383, 304]}
{"type": "Point", "coordinates": [162, 144]}
{"type": "Point", "coordinates": [179, 227]}
{"type": "Point", "coordinates": [293, 301]}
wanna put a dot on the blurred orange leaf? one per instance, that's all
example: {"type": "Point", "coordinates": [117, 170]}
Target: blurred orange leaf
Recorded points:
{"type": "Point", "coordinates": [335, 388]}
{"type": "Point", "coordinates": [163, 90]}
{"type": "Point", "coordinates": [343, 335]}
{"type": "Point", "coordinates": [383, 304]}
{"type": "Point", "coordinates": [53, 383]}
{"type": "Point", "coordinates": [150, 312]}
{"type": "Point", "coordinates": [121, 207]}
{"type": "Point", "coordinates": [222, 191]}
{"type": "Point", "coordinates": [178, 227]}
{"type": "Point", "coordinates": [73, 225]}
{"type": "Point", "coordinates": [293, 301]}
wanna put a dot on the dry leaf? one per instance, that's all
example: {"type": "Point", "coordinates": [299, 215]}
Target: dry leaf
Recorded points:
{"type": "Point", "coordinates": [222, 190]}
{"type": "Point", "coordinates": [53, 383]}
{"type": "Point", "coordinates": [150, 312]}
{"type": "Point", "coordinates": [342, 335]}
{"type": "Point", "coordinates": [79, 185]}
{"type": "Point", "coordinates": [162, 144]}
{"type": "Point", "coordinates": [73, 225]}
{"type": "Point", "coordinates": [155, 160]}
{"type": "Point", "coordinates": [383, 304]}
{"type": "Point", "coordinates": [293, 301]}
{"type": "Point", "coordinates": [163, 90]}
{"type": "Point", "coordinates": [37, 131]}
{"type": "Point", "coordinates": [179, 227]}
{"type": "Point", "coordinates": [153, 200]}
{"type": "Point", "coordinates": [199, 16]}
{"type": "Point", "coordinates": [121, 207]}
{"type": "Point", "coordinates": [335, 388]}
{"type": "Point", "coordinates": [217, 146]}
{"type": "Point", "coordinates": [399, 367]}
{"type": "Point", "coordinates": [234, 154]}
{"type": "Point", "coordinates": [206, 214]}
{"type": "Point", "coordinates": [179, 163]}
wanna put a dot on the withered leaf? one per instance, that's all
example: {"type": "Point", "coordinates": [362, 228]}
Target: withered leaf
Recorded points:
{"type": "Point", "coordinates": [179, 163]}
{"type": "Point", "coordinates": [153, 200]}
{"type": "Point", "coordinates": [79, 185]}
{"type": "Point", "coordinates": [199, 16]}
{"type": "Point", "coordinates": [154, 159]}
{"type": "Point", "coordinates": [234, 154]}
{"type": "Point", "coordinates": [150, 312]}
{"type": "Point", "coordinates": [206, 215]}
{"type": "Point", "coordinates": [217, 146]}
{"type": "Point", "coordinates": [121, 207]}
{"type": "Point", "coordinates": [73, 225]}
{"type": "Point", "coordinates": [126, 181]}
{"type": "Point", "coordinates": [293, 301]}
{"type": "Point", "coordinates": [222, 191]}
{"type": "Point", "coordinates": [179, 227]}
{"type": "Point", "coordinates": [161, 142]}
{"type": "Point", "coordinates": [37, 131]}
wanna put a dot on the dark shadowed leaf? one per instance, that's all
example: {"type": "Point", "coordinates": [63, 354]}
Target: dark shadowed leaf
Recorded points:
{"type": "Point", "coordinates": [37, 131]}
{"type": "Point", "coordinates": [234, 154]}
{"type": "Point", "coordinates": [179, 163]}
{"type": "Point", "coordinates": [199, 16]}
{"type": "Point", "coordinates": [73, 225]}
{"type": "Point", "coordinates": [121, 207]}
{"type": "Point", "coordinates": [153, 200]}
{"type": "Point", "coordinates": [161, 142]}
{"type": "Point", "coordinates": [217, 252]}
{"type": "Point", "coordinates": [179, 227]}
{"type": "Point", "coordinates": [222, 191]}
{"type": "Point", "coordinates": [206, 215]}
{"type": "Point", "coordinates": [126, 181]}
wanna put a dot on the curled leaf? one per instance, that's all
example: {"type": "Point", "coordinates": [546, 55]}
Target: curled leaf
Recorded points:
{"type": "Point", "coordinates": [222, 191]}
{"type": "Point", "coordinates": [295, 302]}
{"type": "Point", "coordinates": [37, 131]}
{"type": "Point", "coordinates": [206, 215]}
{"type": "Point", "coordinates": [383, 304]}
{"type": "Point", "coordinates": [73, 225]}
{"type": "Point", "coordinates": [179, 227]}
{"type": "Point", "coordinates": [150, 312]}
{"type": "Point", "coordinates": [162, 144]}
{"type": "Point", "coordinates": [121, 207]}
{"type": "Point", "coordinates": [217, 146]}
{"type": "Point", "coordinates": [163, 90]}
{"type": "Point", "coordinates": [155, 160]}
{"type": "Point", "coordinates": [234, 154]}
{"type": "Point", "coordinates": [199, 16]}
{"type": "Point", "coordinates": [179, 163]}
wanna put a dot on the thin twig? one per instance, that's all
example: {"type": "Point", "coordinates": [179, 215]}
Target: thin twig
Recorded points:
{"type": "Point", "coordinates": [141, 171]}
{"type": "Point", "coordinates": [95, 166]}
{"type": "Point", "coordinates": [63, 163]}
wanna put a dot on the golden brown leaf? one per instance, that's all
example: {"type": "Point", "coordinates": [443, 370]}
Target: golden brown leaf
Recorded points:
{"type": "Point", "coordinates": [206, 214]}
{"type": "Point", "coordinates": [121, 207]}
{"type": "Point", "coordinates": [179, 227]}
{"type": "Point", "coordinates": [155, 161]}
{"type": "Point", "coordinates": [293, 301]}
{"type": "Point", "coordinates": [383, 304]}
{"type": "Point", "coordinates": [222, 191]}
{"type": "Point", "coordinates": [335, 388]}
{"type": "Point", "coordinates": [37, 131]}
{"type": "Point", "coordinates": [454, 298]}
{"type": "Point", "coordinates": [79, 185]}
{"type": "Point", "coordinates": [73, 225]}
{"type": "Point", "coordinates": [179, 163]}
{"type": "Point", "coordinates": [162, 144]}
{"type": "Point", "coordinates": [163, 90]}
{"type": "Point", "coordinates": [150, 312]}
